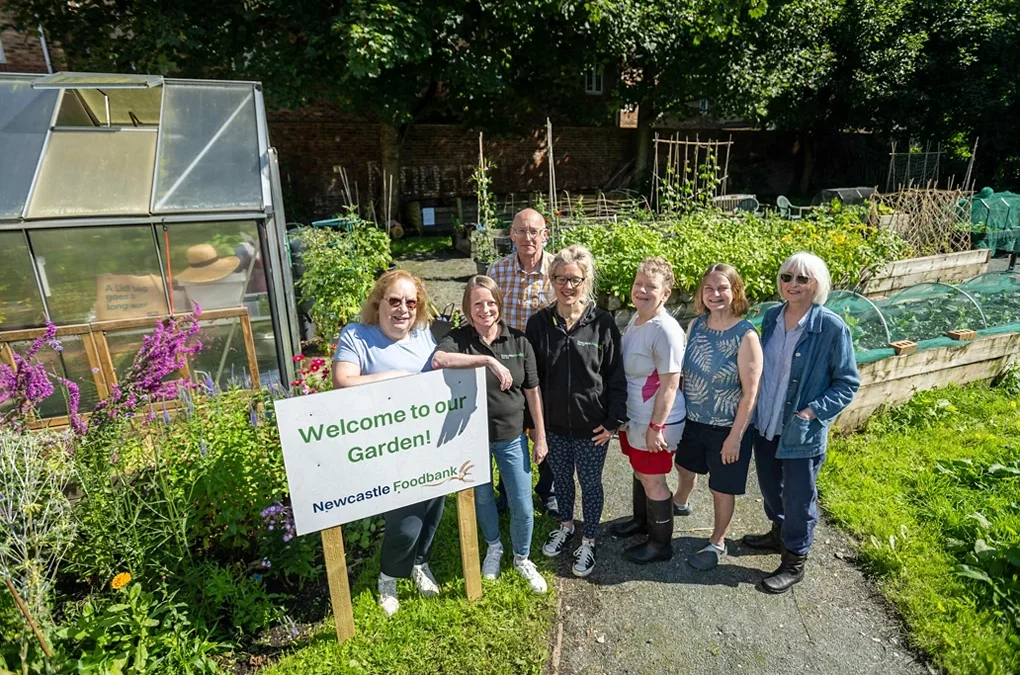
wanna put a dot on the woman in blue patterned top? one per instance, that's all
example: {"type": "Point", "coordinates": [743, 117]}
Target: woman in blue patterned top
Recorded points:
{"type": "Point", "coordinates": [721, 372]}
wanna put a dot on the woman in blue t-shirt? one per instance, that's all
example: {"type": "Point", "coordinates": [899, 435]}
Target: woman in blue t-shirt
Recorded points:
{"type": "Point", "coordinates": [722, 367]}
{"type": "Point", "coordinates": [393, 340]}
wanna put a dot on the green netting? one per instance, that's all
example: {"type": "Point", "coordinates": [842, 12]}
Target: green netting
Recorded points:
{"type": "Point", "coordinates": [757, 313]}
{"type": "Point", "coordinates": [998, 295]}
{"type": "Point", "coordinates": [929, 310]}
{"type": "Point", "coordinates": [995, 221]}
{"type": "Point", "coordinates": [867, 325]}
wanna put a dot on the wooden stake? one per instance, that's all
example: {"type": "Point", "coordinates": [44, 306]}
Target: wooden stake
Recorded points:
{"type": "Point", "coordinates": [28, 617]}
{"type": "Point", "coordinates": [468, 526]}
{"type": "Point", "coordinates": [339, 588]}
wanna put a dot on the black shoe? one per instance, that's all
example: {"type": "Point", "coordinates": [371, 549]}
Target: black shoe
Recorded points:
{"type": "Point", "coordinates": [638, 524]}
{"type": "Point", "coordinates": [790, 571]}
{"type": "Point", "coordinates": [659, 545]}
{"type": "Point", "coordinates": [682, 510]}
{"type": "Point", "coordinates": [551, 507]}
{"type": "Point", "coordinates": [770, 541]}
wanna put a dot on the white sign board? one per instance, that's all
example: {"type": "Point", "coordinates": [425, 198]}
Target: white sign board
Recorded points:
{"type": "Point", "coordinates": [428, 216]}
{"type": "Point", "coordinates": [357, 452]}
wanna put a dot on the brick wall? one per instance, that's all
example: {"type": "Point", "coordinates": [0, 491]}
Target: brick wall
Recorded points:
{"type": "Point", "coordinates": [23, 52]}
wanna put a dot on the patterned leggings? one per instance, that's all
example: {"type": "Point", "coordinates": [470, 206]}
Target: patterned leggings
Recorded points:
{"type": "Point", "coordinates": [564, 454]}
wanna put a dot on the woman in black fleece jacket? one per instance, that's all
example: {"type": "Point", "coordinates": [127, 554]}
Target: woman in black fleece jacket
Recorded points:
{"type": "Point", "coordinates": [580, 370]}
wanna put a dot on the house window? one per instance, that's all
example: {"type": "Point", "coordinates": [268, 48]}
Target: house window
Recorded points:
{"type": "Point", "coordinates": [593, 78]}
{"type": "Point", "coordinates": [3, 59]}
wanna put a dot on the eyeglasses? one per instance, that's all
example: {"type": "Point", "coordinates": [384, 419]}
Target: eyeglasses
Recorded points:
{"type": "Point", "coordinates": [397, 302]}
{"type": "Point", "coordinates": [801, 279]}
{"type": "Point", "coordinates": [531, 232]}
{"type": "Point", "coordinates": [573, 282]}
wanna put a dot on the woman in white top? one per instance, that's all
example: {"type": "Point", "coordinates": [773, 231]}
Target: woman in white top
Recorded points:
{"type": "Point", "coordinates": [653, 353]}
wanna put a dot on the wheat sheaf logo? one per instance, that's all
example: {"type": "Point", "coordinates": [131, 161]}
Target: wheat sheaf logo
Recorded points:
{"type": "Point", "coordinates": [463, 475]}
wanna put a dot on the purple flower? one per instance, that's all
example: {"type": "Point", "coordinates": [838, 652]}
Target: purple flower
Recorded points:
{"type": "Point", "coordinates": [203, 448]}
{"type": "Point", "coordinates": [267, 563]}
{"type": "Point", "coordinates": [287, 537]}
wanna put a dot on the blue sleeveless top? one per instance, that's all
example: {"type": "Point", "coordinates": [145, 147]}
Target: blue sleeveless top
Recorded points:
{"type": "Point", "coordinates": [711, 380]}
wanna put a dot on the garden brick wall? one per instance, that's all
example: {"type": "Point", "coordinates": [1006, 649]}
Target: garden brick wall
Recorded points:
{"type": "Point", "coordinates": [437, 160]}
{"type": "Point", "coordinates": [23, 52]}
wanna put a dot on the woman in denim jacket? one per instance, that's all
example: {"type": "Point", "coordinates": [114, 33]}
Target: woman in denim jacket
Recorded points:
{"type": "Point", "coordinates": [809, 377]}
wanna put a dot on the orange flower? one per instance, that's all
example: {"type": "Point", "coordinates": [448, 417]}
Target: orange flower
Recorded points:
{"type": "Point", "coordinates": [121, 580]}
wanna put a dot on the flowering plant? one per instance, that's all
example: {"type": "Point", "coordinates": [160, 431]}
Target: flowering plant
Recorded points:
{"type": "Point", "coordinates": [313, 375]}
{"type": "Point", "coordinates": [28, 384]}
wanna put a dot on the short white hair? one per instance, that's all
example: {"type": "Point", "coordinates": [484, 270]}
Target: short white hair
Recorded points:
{"type": "Point", "coordinates": [810, 265]}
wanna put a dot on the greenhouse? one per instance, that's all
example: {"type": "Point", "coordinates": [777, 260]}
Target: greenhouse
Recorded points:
{"type": "Point", "coordinates": [924, 313]}
{"type": "Point", "coordinates": [129, 198]}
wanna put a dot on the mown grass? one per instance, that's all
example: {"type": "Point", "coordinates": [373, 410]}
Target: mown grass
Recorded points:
{"type": "Point", "coordinates": [919, 488]}
{"type": "Point", "coordinates": [507, 631]}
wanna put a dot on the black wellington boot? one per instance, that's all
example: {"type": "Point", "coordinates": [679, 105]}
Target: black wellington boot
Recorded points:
{"type": "Point", "coordinates": [638, 524]}
{"type": "Point", "coordinates": [659, 545]}
{"type": "Point", "coordinates": [770, 541]}
{"type": "Point", "coordinates": [790, 571]}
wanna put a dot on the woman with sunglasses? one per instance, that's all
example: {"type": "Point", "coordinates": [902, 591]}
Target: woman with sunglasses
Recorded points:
{"type": "Point", "coordinates": [580, 369]}
{"type": "Point", "coordinates": [511, 380]}
{"type": "Point", "coordinates": [809, 377]}
{"type": "Point", "coordinates": [393, 340]}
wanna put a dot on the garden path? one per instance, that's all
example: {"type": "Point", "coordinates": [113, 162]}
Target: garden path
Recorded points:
{"type": "Point", "coordinates": [670, 618]}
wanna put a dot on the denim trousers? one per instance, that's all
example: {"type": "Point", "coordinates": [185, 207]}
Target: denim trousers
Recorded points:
{"type": "Point", "coordinates": [789, 493]}
{"type": "Point", "coordinates": [514, 463]}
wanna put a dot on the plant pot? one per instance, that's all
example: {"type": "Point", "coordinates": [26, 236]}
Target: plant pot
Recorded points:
{"type": "Point", "coordinates": [481, 267]}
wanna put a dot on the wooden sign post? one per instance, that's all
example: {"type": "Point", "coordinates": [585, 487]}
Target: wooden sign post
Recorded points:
{"type": "Point", "coordinates": [467, 524]}
{"type": "Point", "coordinates": [339, 587]}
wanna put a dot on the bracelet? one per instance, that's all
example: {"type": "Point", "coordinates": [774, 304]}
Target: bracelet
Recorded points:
{"type": "Point", "coordinates": [657, 427]}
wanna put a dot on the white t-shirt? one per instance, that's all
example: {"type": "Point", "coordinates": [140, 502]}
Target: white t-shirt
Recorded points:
{"type": "Point", "coordinates": [656, 346]}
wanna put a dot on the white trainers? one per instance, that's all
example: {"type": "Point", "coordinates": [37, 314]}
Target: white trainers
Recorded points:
{"type": "Point", "coordinates": [557, 540]}
{"type": "Point", "coordinates": [424, 580]}
{"type": "Point", "coordinates": [585, 559]}
{"type": "Point", "coordinates": [388, 595]}
{"type": "Point", "coordinates": [527, 569]}
{"type": "Point", "coordinates": [490, 566]}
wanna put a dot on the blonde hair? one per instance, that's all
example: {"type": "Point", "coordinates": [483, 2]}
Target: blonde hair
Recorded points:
{"type": "Point", "coordinates": [481, 281]}
{"type": "Point", "coordinates": [370, 310]}
{"type": "Point", "coordinates": [810, 265]}
{"type": "Point", "coordinates": [660, 266]}
{"type": "Point", "coordinates": [739, 304]}
{"type": "Point", "coordinates": [579, 255]}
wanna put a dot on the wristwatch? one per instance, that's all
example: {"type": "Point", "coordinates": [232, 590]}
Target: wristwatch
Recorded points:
{"type": "Point", "coordinates": [657, 427]}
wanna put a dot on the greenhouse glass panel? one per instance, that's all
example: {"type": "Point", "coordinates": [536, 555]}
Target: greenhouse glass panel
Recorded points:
{"type": "Point", "coordinates": [20, 301]}
{"type": "Point", "coordinates": [128, 107]}
{"type": "Point", "coordinates": [218, 265]}
{"type": "Point", "coordinates": [998, 295]}
{"type": "Point", "coordinates": [99, 273]}
{"type": "Point", "coordinates": [98, 172]}
{"type": "Point", "coordinates": [24, 119]}
{"type": "Point", "coordinates": [222, 358]}
{"type": "Point", "coordinates": [866, 323]}
{"type": "Point", "coordinates": [70, 362]}
{"type": "Point", "coordinates": [208, 150]}
{"type": "Point", "coordinates": [929, 311]}
{"type": "Point", "coordinates": [107, 80]}
{"type": "Point", "coordinates": [265, 352]}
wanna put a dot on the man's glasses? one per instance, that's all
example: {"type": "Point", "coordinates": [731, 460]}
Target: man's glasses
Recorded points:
{"type": "Point", "coordinates": [573, 282]}
{"type": "Point", "coordinates": [801, 279]}
{"type": "Point", "coordinates": [397, 302]}
{"type": "Point", "coordinates": [531, 232]}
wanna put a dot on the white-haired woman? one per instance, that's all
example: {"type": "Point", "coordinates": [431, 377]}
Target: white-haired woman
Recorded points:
{"type": "Point", "coordinates": [809, 376]}
{"type": "Point", "coordinates": [580, 370]}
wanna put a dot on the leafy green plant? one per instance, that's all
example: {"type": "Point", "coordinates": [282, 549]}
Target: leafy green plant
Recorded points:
{"type": "Point", "coordinates": [339, 270]}
{"type": "Point", "coordinates": [138, 633]}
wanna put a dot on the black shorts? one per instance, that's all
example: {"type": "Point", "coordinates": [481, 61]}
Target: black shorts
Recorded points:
{"type": "Point", "coordinates": [700, 451]}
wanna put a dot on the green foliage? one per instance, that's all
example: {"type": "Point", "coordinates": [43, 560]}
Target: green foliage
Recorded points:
{"type": "Point", "coordinates": [339, 270]}
{"type": "Point", "coordinates": [136, 634]}
{"type": "Point", "coordinates": [932, 489]}
{"type": "Point", "coordinates": [755, 245]}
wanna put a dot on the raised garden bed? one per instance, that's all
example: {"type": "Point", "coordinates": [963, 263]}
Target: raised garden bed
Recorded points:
{"type": "Point", "coordinates": [948, 268]}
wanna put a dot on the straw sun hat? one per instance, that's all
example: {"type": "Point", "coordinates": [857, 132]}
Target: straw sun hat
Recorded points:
{"type": "Point", "coordinates": [205, 265]}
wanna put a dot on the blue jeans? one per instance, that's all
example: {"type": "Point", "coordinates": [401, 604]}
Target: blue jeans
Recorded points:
{"type": "Point", "coordinates": [514, 463]}
{"type": "Point", "coordinates": [789, 493]}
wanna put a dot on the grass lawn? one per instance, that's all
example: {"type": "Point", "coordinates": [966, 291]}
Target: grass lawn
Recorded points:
{"type": "Point", "coordinates": [932, 490]}
{"type": "Point", "coordinates": [420, 246]}
{"type": "Point", "coordinates": [507, 631]}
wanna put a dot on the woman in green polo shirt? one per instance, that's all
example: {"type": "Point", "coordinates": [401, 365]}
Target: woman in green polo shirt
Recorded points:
{"type": "Point", "coordinates": [511, 380]}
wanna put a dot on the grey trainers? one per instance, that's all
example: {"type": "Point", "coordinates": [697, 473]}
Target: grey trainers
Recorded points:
{"type": "Point", "coordinates": [490, 565]}
{"type": "Point", "coordinates": [424, 580]}
{"type": "Point", "coordinates": [388, 595]}
{"type": "Point", "coordinates": [527, 569]}
{"type": "Point", "coordinates": [707, 558]}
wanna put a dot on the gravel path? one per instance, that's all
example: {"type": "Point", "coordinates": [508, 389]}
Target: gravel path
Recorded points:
{"type": "Point", "coordinates": [670, 618]}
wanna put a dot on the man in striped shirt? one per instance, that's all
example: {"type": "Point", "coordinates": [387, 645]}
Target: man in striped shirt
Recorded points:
{"type": "Point", "coordinates": [523, 278]}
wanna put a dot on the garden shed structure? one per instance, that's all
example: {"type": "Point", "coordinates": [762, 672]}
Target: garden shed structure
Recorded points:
{"type": "Point", "coordinates": [128, 198]}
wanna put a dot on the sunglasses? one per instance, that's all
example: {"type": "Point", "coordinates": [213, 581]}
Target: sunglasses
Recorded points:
{"type": "Point", "coordinates": [573, 282]}
{"type": "Point", "coordinates": [801, 279]}
{"type": "Point", "coordinates": [397, 302]}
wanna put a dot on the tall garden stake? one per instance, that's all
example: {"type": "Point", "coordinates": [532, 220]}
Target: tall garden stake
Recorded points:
{"type": "Point", "coordinates": [28, 617]}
